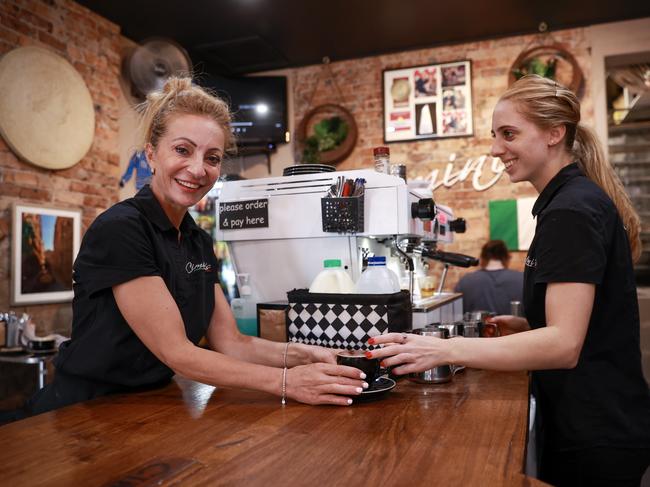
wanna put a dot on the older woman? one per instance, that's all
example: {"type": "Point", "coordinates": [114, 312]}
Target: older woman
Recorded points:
{"type": "Point", "coordinates": [146, 285]}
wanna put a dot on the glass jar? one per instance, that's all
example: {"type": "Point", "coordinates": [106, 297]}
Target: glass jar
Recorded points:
{"type": "Point", "coordinates": [382, 159]}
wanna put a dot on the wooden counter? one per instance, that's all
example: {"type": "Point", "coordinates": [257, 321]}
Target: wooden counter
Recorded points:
{"type": "Point", "coordinates": [467, 433]}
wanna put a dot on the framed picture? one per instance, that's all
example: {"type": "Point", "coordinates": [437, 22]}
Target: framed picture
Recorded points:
{"type": "Point", "coordinates": [428, 102]}
{"type": "Point", "coordinates": [44, 246]}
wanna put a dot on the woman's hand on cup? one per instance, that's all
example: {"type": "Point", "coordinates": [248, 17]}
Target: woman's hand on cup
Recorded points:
{"type": "Point", "coordinates": [302, 354]}
{"type": "Point", "coordinates": [325, 383]}
{"type": "Point", "coordinates": [407, 353]}
{"type": "Point", "coordinates": [321, 354]}
{"type": "Point", "coordinates": [509, 324]}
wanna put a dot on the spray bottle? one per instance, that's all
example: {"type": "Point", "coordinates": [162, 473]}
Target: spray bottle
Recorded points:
{"type": "Point", "coordinates": [244, 309]}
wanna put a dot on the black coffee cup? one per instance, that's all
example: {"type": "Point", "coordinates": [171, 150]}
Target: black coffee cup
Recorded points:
{"type": "Point", "coordinates": [358, 360]}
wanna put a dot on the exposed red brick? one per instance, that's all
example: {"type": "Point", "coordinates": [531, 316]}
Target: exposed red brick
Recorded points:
{"type": "Point", "coordinates": [35, 20]}
{"type": "Point", "coordinates": [485, 63]}
{"type": "Point", "coordinates": [86, 71]}
{"type": "Point", "coordinates": [96, 202]}
{"type": "Point", "coordinates": [20, 178]}
{"type": "Point", "coordinates": [75, 200]}
{"type": "Point", "coordinates": [9, 189]}
{"type": "Point", "coordinates": [9, 8]}
{"type": "Point", "coordinates": [45, 10]}
{"type": "Point", "coordinates": [74, 53]}
{"type": "Point", "coordinates": [9, 160]}
{"type": "Point", "coordinates": [9, 36]}
{"type": "Point", "coordinates": [51, 41]}
{"type": "Point", "coordinates": [17, 25]}
{"type": "Point", "coordinates": [4, 229]}
{"type": "Point", "coordinates": [79, 187]}
{"type": "Point", "coordinates": [78, 21]}
{"type": "Point", "coordinates": [5, 48]}
{"type": "Point", "coordinates": [114, 159]}
{"type": "Point", "coordinates": [37, 194]}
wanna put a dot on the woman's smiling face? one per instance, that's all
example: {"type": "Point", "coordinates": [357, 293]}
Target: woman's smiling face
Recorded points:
{"type": "Point", "coordinates": [521, 145]}
{"type": "Point", "coordinates": [187, 162]}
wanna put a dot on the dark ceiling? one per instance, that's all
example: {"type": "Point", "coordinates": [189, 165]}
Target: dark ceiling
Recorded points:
{"type": "Point", "coordinates": [244, 36]}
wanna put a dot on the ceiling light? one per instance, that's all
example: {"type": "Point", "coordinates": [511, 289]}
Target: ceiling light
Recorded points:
{"type": "Point", "coordinates": [262, 108]}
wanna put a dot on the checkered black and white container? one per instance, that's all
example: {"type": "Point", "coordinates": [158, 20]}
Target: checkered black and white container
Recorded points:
{"type": "Point", "coordinates": [345, 320]}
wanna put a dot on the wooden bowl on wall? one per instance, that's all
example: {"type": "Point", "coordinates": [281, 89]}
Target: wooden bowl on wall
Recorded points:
{"type": "Point", "coordinates": [339, 153]}
{"type": "Point", "coordinates": [552, 50]}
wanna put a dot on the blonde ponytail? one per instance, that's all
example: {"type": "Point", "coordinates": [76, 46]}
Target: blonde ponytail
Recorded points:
{"type": "Point", "coordinates": [547, 104]}
{"type": "Point", "coordinates": [591, 159]}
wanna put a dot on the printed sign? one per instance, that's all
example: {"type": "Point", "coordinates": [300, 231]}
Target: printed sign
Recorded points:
{"type": "Point", "coordinates": [237, 215]}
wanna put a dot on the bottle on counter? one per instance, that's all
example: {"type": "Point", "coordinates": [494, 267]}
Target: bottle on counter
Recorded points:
{"type": "Point", "coordinates": [382, 159]}
{"type": "Point", "coordinates": [332, 279]}
{"type": "Point", "coordinates": [377, 278]}
{"type": "Point", "coordinates": [243, 307]}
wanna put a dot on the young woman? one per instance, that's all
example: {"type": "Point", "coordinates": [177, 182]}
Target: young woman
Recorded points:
{"type": "Point", "coordinates": [581, 333]}
{"type": "Point", "coordinates": [146, 288]}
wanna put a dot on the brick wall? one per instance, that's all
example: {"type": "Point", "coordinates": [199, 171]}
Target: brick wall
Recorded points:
{"type": "Point", "coordinates": [360, 80]}
{"type": "Point", "coordinates": [91, 44]}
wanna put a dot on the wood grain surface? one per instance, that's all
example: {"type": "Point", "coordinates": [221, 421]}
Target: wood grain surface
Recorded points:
{"type": "Point", "coordinates": [470, 432]}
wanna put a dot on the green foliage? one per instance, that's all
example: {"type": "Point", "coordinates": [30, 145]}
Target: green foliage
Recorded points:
{"type": "Point", "coordinates": [311, 155]}
{"type": "Point", "coordinates": [537, 66]}
{"type": "Point", "coordinates": [329, 133]}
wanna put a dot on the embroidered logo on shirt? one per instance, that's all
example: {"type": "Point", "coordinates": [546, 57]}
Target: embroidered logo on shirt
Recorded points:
{"type": "Point", "coordinates": [203, 266]}
{"type": "Point", "coordinates": [532, 263]}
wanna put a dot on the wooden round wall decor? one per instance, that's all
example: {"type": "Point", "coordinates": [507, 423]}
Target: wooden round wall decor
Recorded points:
{"type": "Point", "coordinates": [46, 112]}
{"type": "Point", "coordinates": [327, 134]}
{"type": "Point", "coordinates": [551, 61]}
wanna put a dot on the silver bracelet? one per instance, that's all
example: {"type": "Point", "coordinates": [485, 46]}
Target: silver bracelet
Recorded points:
{"type": "Point", "coordinates": [286, 349]}
{"type": "Point", "coordinates": [284, 375]}
{"type": "Point", "coordinates": [284, 386]}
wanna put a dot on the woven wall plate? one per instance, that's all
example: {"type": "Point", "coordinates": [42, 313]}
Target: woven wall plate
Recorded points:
{"type": "Point", "coordinates": [339, 153]}
{"type": "Point", "coordinates": [568, 72]}
{"type": "Point", "coordinates": [46, 112]}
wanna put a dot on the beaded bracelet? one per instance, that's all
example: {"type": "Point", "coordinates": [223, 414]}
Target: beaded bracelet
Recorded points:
{"type": "Point", "coordinates": [284, 386]}
{"type": "Point", "coordinates": [284, 375]}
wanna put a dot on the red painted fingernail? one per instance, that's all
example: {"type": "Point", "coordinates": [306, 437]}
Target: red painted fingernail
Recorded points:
{"type": "Point", "coordinates": [382, 364]}
{"type": "Point", "coordinates": [371, 341]}
{"type": "Point", "coordinates": [368, 354]}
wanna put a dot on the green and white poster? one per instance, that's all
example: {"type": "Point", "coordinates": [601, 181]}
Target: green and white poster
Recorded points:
{"type": "Point", "coordinates": [512, 221]}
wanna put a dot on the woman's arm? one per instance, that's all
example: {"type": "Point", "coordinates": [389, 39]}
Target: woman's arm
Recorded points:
{"type": "Point", "coordinates": [224, 336]}
{"type": "Point", "coordinates": [150, 310]}
{"type": "Point", "coordinates": [509, 324]}
{"type": "Point", "coordinates": [555, 346]}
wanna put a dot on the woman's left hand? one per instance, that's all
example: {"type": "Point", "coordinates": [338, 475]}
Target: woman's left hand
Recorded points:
{"type": "Point", "coordinates": [311, 354]}
{"type": "Point", "coordinates": [407, 353]}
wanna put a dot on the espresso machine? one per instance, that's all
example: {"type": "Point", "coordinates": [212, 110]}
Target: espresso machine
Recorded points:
{"type": "Point", "coordinates": [274, 232]}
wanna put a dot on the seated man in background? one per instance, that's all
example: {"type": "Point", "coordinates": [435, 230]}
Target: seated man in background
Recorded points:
{"type": "Point", "coordinates": [493, 286]}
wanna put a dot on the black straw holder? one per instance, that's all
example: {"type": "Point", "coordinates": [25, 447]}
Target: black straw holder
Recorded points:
{"type": "Point", "coordinates": [342, 215]}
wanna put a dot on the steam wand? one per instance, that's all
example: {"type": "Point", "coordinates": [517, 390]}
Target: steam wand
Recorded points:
{"type": "Point", "coordinates": [409, 266]}
{"type": "Point", "coordinates": [447, 258]}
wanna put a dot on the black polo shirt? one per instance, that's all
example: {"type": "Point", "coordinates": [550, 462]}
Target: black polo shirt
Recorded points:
{"type": "Point", "coordinates": [579, 237]}
{"type": "Point", "coordinates": [134, 238]}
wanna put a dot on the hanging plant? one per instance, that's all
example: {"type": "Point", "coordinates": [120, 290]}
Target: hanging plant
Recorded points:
{"type": "Point", "coordinates": [537, 66]}
{"type": "Point", "coordinates": [326, 135]}
{"type": "Point", "coordinates": [550, 61]}
{"type": "Point", "coordinates": [329, 134]}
